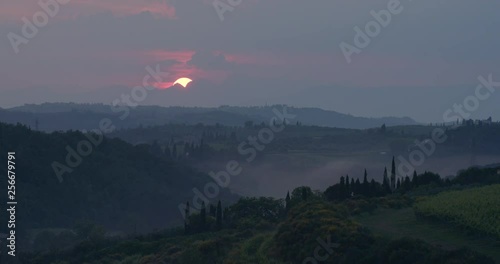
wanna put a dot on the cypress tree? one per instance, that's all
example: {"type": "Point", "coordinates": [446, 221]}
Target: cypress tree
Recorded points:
{"type": "Point", "coordinates": [203, 216]}
{"type": "Point", "coordinates": [393, 174]}
{"type": "Point", "coordinates": [347, 186]}
{"type": "Point", "coordinates": [407, 183]}
{"type": "Point", "coordinates": [385, 183]}
{"type": "Point", "coordinates": [342, 188]}
{"type": "Point", "coordinates": [202, 148]}
{"type": "Point", "coordinates": [372, 189]}
{"type": "Point", "coordinates": [218, 219]}
{"type": "Point", "coordinates": [398, 184]}
{"type": "Point", "coordinates": [167, 152]}
{"type": "Point", "coordinates": [365, 184]}
{"type": "Point", "coordinates": [414, 180]}
{"type": "Point", "coordinates": [174, 152]}
{"type": "Point", "coordinates": [353, 187]}
{"type": "Point", "coordinates": [225, 215]}
{"type": "Point", "coordinates": [212, 211]}
{"type": "Point", "coordinates": [357, 186]}
{"type": "Point", "coordinates": [186, 219]}
{"type": "Point", "coordinates": [187, 209]}
{"type": "Point", "coordinates": [287, 202]}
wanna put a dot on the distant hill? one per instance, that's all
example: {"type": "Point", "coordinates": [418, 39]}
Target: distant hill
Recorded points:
{"type": "Point", "coordinates": [119, 186]}
{"type": "Point", "coordinates": [65, 116]}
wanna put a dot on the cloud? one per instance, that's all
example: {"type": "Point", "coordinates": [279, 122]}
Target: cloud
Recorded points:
{"type": "Point", "coordinates": [209, 60]}
{"type": "Point", "coordinates": [15, 10]}
{"type": "Point", "coordinates": [169, 63]}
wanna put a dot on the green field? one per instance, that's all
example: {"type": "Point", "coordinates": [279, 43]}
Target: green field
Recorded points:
{"type": "Point", "coordinates": [394, 224]}
{"type": "Point", "coordinates": [476, 209]}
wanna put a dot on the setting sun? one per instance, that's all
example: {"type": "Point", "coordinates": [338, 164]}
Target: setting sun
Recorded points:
{"type": "Point", "coordinates": [183, 81]}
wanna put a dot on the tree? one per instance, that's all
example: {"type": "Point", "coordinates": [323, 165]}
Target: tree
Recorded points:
{"type": "Point", "coordinates": [342, 190]}
{"type": "Point", "coordinates": [203, 216]}
{"type": "Point", "coordinates": [304, 194]}
{"type": "Point", "coordinates": [398, 184]}
{"type": "Point", "coordinates": [383, 129]}
{"type": "Point", "coordinates": [347, 187]}
{"type": "Point", "coordinates": [373, 188]}
{"type": "Point", "coordinates": [385, 183]}
{"type": "Point", "coordinates": [414, 180]}
{"type": "Point", "coordinates": [225, 215]}
{"type": "Point", "coordinates": [174, 152]}
{"type": "Point", "coordinates": [407, 183]}
{"type": "Point", "coordinates": [248, 124]}
{"type": "Point", "coordinates": [299, 195]}
{"type": "Point", "coordinates": [393, 174]}
{"type": "Point", "coordinates": [233, 136]}
{"type": "Point", "coordinates": [357, 187]}
{"type": "Point", "coordinates": [365, 184]}
{"type": "Point", "coordinates": [251, 211]}
{"type": "Point", "coordinates": [218, 221]}
{"type": "Point", "coordinates": [201, 148]}
{"type": "Point", "coordinates": [186, 220]}
{"type": "Point", "coordinates": [212, 211]}
{"type": "Point", "coordinates": [287, 202]}
{"type": "Point", "coordinates": [167, 152]}
{"type": "Point", "coordinates": [428, 177]}
{"type": "Point", "coordinates": [186, 149]}
{"type": "Point", "coordinates": [192, 147]}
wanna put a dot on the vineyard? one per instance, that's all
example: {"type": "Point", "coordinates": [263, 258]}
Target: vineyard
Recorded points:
{"type": "Point", "coordinates": [475, 209]}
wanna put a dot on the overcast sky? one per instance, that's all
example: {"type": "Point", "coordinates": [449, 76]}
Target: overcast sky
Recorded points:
{"type": "Point", "coordinates": [262, 52]}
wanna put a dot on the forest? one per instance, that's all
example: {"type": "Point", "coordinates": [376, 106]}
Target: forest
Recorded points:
{"type": "Point", "coordinates": [290, 229]}
{"type": "Point", "coordinates": [130, 214]}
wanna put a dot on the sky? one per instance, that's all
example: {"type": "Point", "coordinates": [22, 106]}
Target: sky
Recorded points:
{"type": "Point", "coordinates": [430, 53]}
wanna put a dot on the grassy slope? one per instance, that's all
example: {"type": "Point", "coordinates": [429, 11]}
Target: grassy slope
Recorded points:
{"type": "Point", "coordinates": [475, 208]}
{"type": "Point", "coordinates": [402, 223]}
{"type": "Point", "coordinates": [253, 250]}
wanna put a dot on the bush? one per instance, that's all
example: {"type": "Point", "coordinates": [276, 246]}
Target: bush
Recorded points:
{"type": "Point", "coordinates": [308, 223]}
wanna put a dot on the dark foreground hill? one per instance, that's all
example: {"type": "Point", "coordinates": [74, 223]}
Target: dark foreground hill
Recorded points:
{"type": "Point", "coordinates": [260, 230]}
{"type": "Point", "coordinates": [119, 186]}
